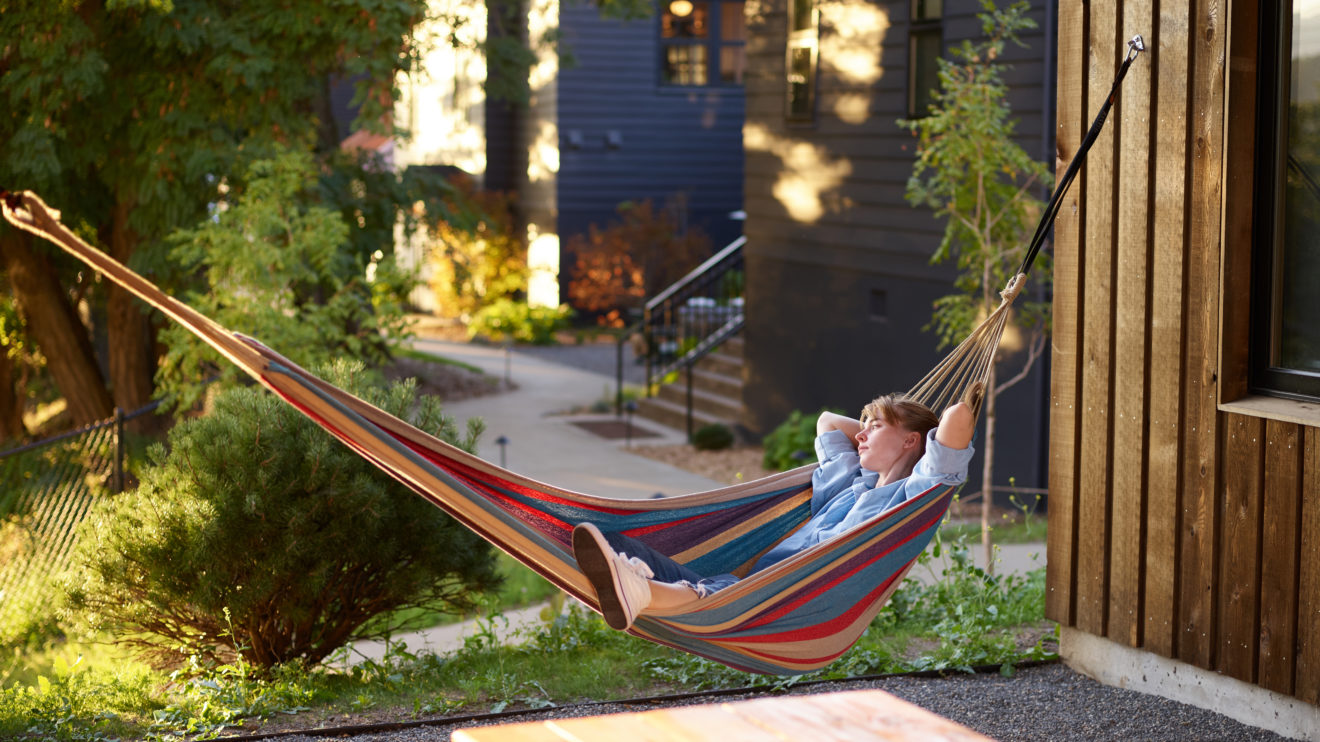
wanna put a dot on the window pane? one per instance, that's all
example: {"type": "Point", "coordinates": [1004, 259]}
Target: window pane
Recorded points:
{"type": "Point", "coordinates": [801, 17]}
{"type": "Point", "coordinates": [733, 59]}
{"type": "Point", "coordinates": [1296, 313]}
{"type": "Point", "coordinates": [923, 70]}
{"type": "Point", "coordinates": [927, 10]}
{"type": "Point", "coordinates": [686, 65]}
{"type": "Point", "coordinates": [732, 25]}
{"type": "Point", "coordinates": [684, 19]}
{"type": "Point", "coordinates": [799, 83]}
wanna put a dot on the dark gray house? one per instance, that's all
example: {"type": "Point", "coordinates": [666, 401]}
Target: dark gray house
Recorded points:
{"type": "Point", "coordinates": [649, 108]}
{"type": "Point", "coordinates": [839, 284]}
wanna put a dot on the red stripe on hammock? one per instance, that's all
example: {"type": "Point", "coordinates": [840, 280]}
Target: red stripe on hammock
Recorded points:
{"type": "Point", "coordinates": [473, 474]}
{"type": "Point", "coordinates": [826, 586]}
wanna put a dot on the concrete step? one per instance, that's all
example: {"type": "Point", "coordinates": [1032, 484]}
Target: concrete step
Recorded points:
{"type": "Point", "coordinates": [723, 363]}
{"type": "Point", "coordinates": [715, 383]}
{"type": "Point", "coordinates": [674, 416]}
{"type": "Point", "coordinates": [718, 406]}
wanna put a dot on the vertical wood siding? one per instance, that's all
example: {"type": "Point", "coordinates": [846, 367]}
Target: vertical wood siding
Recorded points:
{"type": "Point", "coordinates": [1188, 531]}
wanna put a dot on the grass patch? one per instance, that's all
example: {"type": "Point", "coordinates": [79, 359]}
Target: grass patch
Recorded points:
{"type": "Point", "coordinates": [966, 619]}
{"type": "Point", "coordinates": [1008, 532]}
{"type": "Point", "coordinates": [432, 358]}
{"type": "Point", "coordinates": [521, 587]}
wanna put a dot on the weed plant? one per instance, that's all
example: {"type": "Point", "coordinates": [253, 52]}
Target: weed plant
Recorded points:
{"type": "Point", "coordinates": [966, 618]}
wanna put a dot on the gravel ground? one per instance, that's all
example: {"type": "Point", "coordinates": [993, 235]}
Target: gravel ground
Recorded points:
{"type": "Point", "coordinates": [1048, 703]}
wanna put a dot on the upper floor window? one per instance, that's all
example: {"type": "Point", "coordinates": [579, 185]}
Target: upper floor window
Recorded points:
{"type": "Point", "coordinates": [1285, 311]}
{"type": "Point", "coordinates": [800, 60]}
{"type": "Point", "coordinates": [702, 42]}
{"type": "Point", "coordinates": [925, 44]}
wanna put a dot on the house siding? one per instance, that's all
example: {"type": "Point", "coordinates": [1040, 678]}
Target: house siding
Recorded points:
{"type": "Point", "coordinates": [675, 143]}
{"type": "Point", "coordinates": [814, 277]}
{"type": "Point", "coordinates": [1178, 524]}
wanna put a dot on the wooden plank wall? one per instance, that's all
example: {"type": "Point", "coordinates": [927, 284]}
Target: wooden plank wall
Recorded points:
{"type": "Point", "coordinates": [1174, 526]}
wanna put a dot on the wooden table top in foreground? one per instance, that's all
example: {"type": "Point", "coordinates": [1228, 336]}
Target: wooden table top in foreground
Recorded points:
{"type": "Point", "coordinates": [852, 716]}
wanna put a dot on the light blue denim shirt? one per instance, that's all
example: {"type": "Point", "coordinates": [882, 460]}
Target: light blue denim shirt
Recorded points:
{"type": "Point", "coordinates": [844, 494]}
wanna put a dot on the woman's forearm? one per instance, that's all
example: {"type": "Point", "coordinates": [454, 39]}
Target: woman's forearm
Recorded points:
{"type": "Point", "coordinates": [834, 421]}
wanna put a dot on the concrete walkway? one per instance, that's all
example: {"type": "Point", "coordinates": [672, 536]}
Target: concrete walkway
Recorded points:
{"type": "Point", "coordinates": [545, 443]}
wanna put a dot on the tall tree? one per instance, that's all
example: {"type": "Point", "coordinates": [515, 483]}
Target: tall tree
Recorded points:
{"type": "Point", "coordinates": [130, 114]}
{"type": "Point", "coordinates": [970, 171]}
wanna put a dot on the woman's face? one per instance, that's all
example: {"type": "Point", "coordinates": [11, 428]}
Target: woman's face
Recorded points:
{"type": "Point", "coordinates": [881, 445]}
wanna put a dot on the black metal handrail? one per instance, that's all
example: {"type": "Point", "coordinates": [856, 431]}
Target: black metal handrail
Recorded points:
{"type": "Point", "coordinates": [688, 320]}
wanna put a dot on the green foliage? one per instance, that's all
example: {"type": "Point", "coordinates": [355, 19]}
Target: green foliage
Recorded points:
{"type": "Point", "coordinates": [273, 265]}
{"type": "Point", "coordinates": [257, 536]}
{"type": "Point", "coordinates": [970, 171]}
{"type": "Point", "coordinates": [792, 443]}
{"type": "Point", "coordinates": [620, 266]}
{"type": "Point", "coordinates": [72, 704]}
{"type": "Point", "coordinates": [966, 619]}
{"type": "Point", "coordinates": [479, 261]}
{"type": "Point", "coordinates": [968, 609]}
{"type": "Point", "coordinates": [713, 437]}
{"type": "Point", "coordinates": [520, 322]}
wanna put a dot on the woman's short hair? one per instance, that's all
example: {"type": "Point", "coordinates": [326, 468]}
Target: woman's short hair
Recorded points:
{"type": "Point", "coordinates": [896, 409]}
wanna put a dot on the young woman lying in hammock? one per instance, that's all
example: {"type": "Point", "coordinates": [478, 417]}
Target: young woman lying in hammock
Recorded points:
{"type": "Point", "coordinates": [897, 450]}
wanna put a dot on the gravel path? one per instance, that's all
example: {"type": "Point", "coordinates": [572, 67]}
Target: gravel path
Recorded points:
{"type": "Point", "coordinates": [1048, 704]}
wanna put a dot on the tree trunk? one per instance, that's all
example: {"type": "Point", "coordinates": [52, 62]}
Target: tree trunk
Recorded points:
{"type": "Point", "coordinates": [55, 328]}
{"type": "Point", "coordinates": [11, 403]}
{"type": "Point", "coordinates": [988, 470]}
{"type": "Point", "coordinates": [128, 327]}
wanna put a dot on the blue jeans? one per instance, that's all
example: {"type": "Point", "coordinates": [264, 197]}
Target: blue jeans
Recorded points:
{"type": "Point", "coordinates": [665, 568]}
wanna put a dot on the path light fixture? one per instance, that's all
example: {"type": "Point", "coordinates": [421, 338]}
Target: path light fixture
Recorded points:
{"type": "Point", "coordinates": [503, 442]}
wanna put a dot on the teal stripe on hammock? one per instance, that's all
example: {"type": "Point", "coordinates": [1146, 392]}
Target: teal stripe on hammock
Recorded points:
{"type": "Point", "coordinates": [744, 606]}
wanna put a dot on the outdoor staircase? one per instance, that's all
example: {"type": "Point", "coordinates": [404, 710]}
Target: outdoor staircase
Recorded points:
{"type": "Point", "coordinates": [692, 347]}
{"type": "Point", "coordinates": [717, 382]}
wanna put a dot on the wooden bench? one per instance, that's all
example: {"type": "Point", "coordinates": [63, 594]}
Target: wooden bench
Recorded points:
{"type": "Point", "coordinates": [853, 716]}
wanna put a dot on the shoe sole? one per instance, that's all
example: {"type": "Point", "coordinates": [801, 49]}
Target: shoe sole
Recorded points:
{"type": "Point", "coordinates": [588, 549]}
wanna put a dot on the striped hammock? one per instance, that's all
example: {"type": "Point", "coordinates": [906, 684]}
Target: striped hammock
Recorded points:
{"type": "Point", "coordinates": [796, 616]}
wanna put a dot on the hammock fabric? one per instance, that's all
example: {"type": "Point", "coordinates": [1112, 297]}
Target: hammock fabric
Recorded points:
{"type": "Point", "coordinates": [796, 616]}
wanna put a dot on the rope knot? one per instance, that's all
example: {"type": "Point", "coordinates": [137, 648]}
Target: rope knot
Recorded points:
{"type": "Point", "coordinates": [1013, 288]}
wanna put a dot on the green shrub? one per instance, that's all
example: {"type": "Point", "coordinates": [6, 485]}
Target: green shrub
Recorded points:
{"type": "Point", "coordinates": [260, 536]}
{"type": "Point", "coordinates": [713, 437]}
{"type": "Point", "coordinates": [792, 444]}
{"type": "Point", "coordinates": [520, 322]}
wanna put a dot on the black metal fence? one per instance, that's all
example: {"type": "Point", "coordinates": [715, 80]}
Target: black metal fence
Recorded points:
{"type": "Point", "coordinates": [46, 490]}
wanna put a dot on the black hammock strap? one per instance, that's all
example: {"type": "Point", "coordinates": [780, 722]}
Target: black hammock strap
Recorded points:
{"type": "Point", "coordinates": [969, 364]}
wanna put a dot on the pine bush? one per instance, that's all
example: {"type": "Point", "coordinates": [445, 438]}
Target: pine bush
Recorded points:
{"type": "Point", "coordinates": [258, 535]}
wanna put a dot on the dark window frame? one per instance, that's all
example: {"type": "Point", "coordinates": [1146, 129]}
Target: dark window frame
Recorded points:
{"type": "Point", "coordinates": [1272, 98]}
{"type": "Point", "coordinates": [802, 40]}
{"type": "Point", "coordinates": [713, 44]}
{"type": "Point", "coordinates": [921, 28]}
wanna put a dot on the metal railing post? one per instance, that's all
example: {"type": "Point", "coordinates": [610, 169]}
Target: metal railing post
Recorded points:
{"type": "Point", "coordinates": [689, 402]}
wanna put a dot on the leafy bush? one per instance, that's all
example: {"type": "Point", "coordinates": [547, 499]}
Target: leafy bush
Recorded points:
{"type": "Point", "coordinates": [258, 535]}
{"type": "Point", "coordinates": [713, 437]}
{"type": "Point", "coordinates": [620, 266]}
{"type": "Point", "coordinates": [276, 264]}
{"type": "Point", "coordinates": [519, 321]}
{"type": "Point", "coordinates": [479, 261]}
{"type": "Point", "coordinates": [792, 444]}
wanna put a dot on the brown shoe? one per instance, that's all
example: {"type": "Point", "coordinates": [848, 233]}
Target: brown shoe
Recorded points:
{"type": "Point", "coordinates": [621, 582]}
